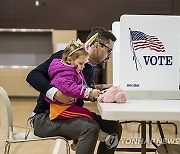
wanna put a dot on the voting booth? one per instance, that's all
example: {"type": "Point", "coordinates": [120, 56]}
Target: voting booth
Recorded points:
{"type": "Point", "coordinates": [146, 54]}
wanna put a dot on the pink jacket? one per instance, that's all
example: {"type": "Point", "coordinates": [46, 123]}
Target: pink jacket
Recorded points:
{"type": "Point", "coordinates": [66, 79]}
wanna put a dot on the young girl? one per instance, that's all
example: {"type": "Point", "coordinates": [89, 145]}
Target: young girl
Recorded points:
{"type": "Point", "coordinates": [66, 75]}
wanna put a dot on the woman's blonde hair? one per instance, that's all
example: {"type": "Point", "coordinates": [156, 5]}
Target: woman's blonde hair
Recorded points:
{"type": "Point", "coordinates": [73, 50]}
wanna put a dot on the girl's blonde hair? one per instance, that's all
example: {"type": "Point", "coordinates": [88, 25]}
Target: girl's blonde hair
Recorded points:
{"type": "Point", "coordinates": [73, 50]}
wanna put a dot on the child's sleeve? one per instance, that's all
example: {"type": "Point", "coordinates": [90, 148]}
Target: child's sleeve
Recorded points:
{"type": "Point", "coordinates": [68, 86]}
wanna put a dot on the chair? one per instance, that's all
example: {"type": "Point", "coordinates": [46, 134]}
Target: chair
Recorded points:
{"type": "Point", "coordinates": [170, 149]}
{"type": "Point", "coordinates": [166, 148]}
{"type": "Point", "coordinates": [7, 124]}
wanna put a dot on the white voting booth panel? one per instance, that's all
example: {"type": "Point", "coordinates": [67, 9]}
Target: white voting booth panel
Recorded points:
{"type": "Point", "coordinates": [146, 53]}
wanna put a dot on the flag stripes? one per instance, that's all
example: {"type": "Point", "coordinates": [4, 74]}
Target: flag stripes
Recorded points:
{"type": "Point", "coordinates": [140, 40]}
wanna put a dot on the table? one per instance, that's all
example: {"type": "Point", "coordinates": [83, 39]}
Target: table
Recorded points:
{"type": "Point", "coordinates": [141, 110]}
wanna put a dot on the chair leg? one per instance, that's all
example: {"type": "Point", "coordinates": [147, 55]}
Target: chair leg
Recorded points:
{"type": "Point", "coordinates": [26, 134]}
{"type": "Point", "coordinates": [66, 142]}
{"type": "Point", "coordinates": [7, 147]}
{"type": "Point", "coordinates": [67, 147]}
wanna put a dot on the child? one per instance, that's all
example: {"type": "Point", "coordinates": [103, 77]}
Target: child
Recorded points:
{"type": "Point", "coordinates": [66, 75]}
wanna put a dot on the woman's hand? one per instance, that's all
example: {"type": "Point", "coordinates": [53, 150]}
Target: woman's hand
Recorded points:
{"type": "Point", "coordinates": [59, 96]}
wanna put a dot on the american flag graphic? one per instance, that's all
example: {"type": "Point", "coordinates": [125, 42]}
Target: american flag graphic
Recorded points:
{"type": "Point", "coordinates": [141, 40]}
